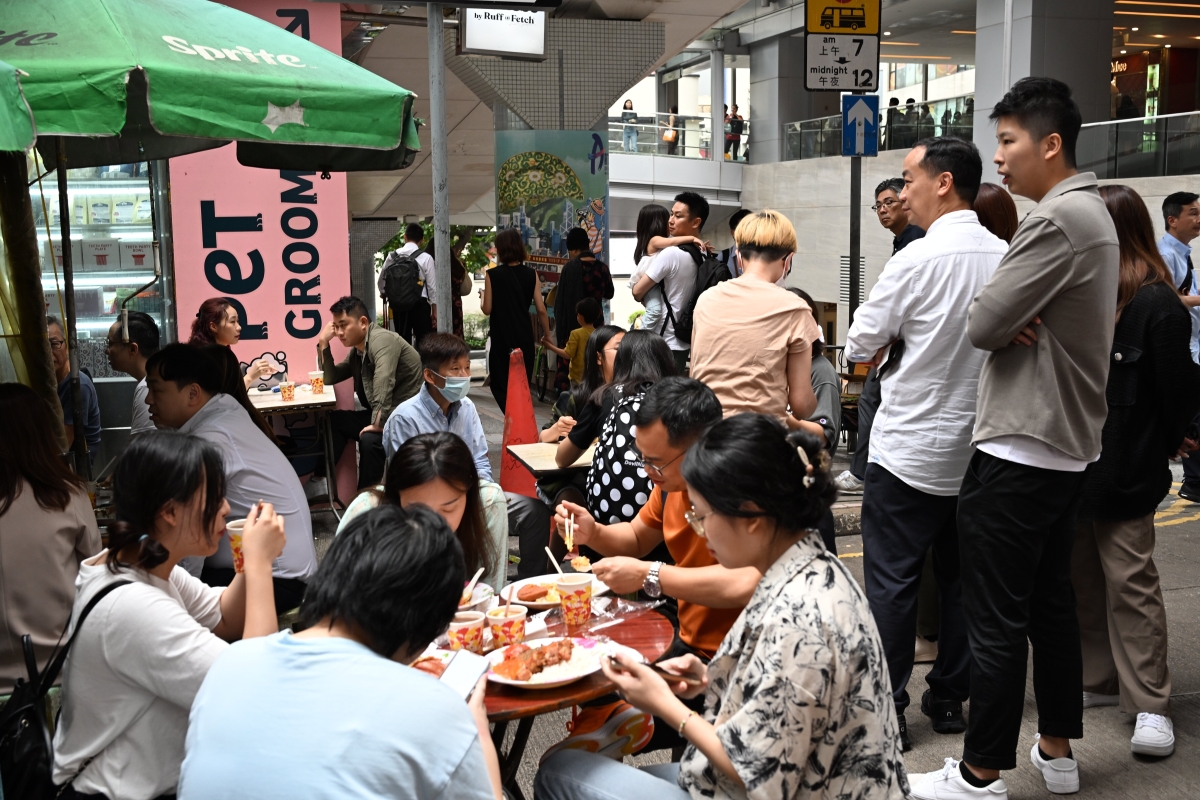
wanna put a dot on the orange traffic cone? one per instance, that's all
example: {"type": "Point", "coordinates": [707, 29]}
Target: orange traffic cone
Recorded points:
{"type": "Point", "coordinates": [520, 427]}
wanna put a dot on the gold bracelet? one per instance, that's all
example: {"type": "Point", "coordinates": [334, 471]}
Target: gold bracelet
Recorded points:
{"type": "Point", "coordinates": [682, 724]}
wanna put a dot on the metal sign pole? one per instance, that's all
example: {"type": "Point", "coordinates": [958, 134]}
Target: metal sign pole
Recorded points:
{"type": "Point", "coordinates": [855, 231]}
{"type": "Point", "coordinates": [441, 169]}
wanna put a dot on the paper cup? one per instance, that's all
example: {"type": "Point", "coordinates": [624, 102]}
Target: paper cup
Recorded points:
{"type": "Point", "coordinates": [575, 592]}
{"type": "Point", "coordinates": [509, 629]}
{"type": "Point", "coordinates": [287, 391]}
{"type": "Point", "coordinates": [316, 382]}
{"type": "Point", "coordinates": [234, 528]}
{"type": "Point", "coordinates": [466, 632]}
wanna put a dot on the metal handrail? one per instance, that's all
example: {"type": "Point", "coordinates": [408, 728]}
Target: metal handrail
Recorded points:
{"type": "Point", "coordinates": [821, 137]}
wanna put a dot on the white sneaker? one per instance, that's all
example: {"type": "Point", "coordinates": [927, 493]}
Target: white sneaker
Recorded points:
{"type": "Point", "coordinates": [316, 488]}
{"type": "Point", "coordinates": [1153, 736]}
{"type": "Point", "coordinates": [1061, 774]}
{"type": "Point", "coordinates": [948, 784]}
{"type": "Point", "coordinates": [1092, 700]}
{"type": "Point", "coordinates": [848, 484]}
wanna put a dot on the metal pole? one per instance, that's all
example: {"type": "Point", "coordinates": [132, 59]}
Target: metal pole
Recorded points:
{"type": "Point", "coordinates": [855, 231]}
{"type": "Point", "coordinates": [79, 445]}
{"type": "Point", "coordinates": [160, 209]}
{"type": "Point", "coordinates": [716, 65]}
{"type": "Point", "coordinates": [441, 169]}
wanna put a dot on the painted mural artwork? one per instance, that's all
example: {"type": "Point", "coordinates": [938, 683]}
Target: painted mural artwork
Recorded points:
{"type": "Point", "coordinates": [548, 182]}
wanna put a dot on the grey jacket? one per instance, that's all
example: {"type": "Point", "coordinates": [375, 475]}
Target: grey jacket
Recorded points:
{"type": "Point", "coordinates": [1062, 266]}
{"type": "Point", "coordinates": [386, 374]}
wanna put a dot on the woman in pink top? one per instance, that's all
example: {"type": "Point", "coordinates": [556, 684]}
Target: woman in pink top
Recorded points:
{"type": "Point", "coordinates": [752, 341]}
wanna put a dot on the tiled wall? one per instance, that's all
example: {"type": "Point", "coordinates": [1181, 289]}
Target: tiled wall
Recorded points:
{"type": "Point", "coordinates": [366, 237]}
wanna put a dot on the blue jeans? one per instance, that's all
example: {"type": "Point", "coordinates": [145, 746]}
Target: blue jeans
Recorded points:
{"type": "Point", "coordinates": [577, 775]}
{"type": "Point", "coordinates": [630, 139]}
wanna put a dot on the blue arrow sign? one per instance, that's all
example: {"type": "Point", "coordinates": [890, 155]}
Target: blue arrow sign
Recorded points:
{"type": "Point", "coordinates": [860, 125]}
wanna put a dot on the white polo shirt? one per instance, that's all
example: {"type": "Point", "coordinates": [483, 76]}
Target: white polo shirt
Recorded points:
{"type": "Point", "coordinates": [427, 268]}
{"type": "Point", "coordinates": [256, 469]}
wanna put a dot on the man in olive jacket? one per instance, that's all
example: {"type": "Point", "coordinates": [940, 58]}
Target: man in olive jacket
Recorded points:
{"type": "Point", "coordinates": [386, 372]}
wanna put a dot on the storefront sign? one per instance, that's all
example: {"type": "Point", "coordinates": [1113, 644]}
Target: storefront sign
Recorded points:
{"type": "Point", "coordinates": [273, 242]}
{"type": "Point", "coordinates": [503, 32]}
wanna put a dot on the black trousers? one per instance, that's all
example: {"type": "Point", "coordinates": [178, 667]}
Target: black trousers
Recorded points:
{"type": "Point", "coordinates": [868, 404]}
{"type": "Point", "coordinates": [899, 526]}
{"type": "Point", "coordinates": [347, 426]}
{"type": "Point", "coordinates": [415, 323]}
{"type": "Point", "coordinates": [1016, 530]}
{"type": "Point", "coordinates": [1191, 471]}
{"type": "Point", "coordinates": [288, 591]}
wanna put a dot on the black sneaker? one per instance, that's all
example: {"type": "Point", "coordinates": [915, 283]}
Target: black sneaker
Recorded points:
{"type": "Point", "coordinates": [905, 744]}
{"type": "Point", "coordinates": [946, 715]}
{"type": "Point", "coordinates": [1189, 493]}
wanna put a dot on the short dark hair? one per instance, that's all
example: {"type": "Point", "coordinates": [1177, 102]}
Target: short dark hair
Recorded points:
{"type": "Point", "coordinates": [958, 157]}
{"type": "Point", "coordinates": [394, 574]}
{"type": "Point", "coordinates": [1043, 106]}
{"type": "Point", "coordinates": [697, 205]}
{"type": "Point", "coordinates": [577, 239]}
{"type": "Point", "coordinates": [818, 345]}
{"type": "Point", "coordinates": [737, 217]}
{"type": "Point", "coordinates": [53, 320]}
{"type": "Point", "coordinates": [685, 406]}
{"type": "Point", "coordinates": [413, 232]}
{"type": "Point", "coordinates": [509, 247]}
{"type": "Point", "coordinates": [185, 364]}
{"type": "Point", "coordinates": [894, 184]}
{"type": "Point", "coordinates": [351, 306]}
{"type": "Point", "coordinates": [589, 308]}
{"type": "Point", "coordinates": [143, 332]}
{"type": "Point", "coordinates": [438, 348]}
{"type": "Point", "coordinates": [1173, 203]}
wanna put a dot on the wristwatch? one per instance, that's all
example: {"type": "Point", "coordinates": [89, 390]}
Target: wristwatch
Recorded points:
{"type": "Point", "coordinates": [652, 587]}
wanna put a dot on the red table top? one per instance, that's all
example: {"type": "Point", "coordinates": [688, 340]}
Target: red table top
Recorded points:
{"type": "Point", "coordinates": [650, 634]}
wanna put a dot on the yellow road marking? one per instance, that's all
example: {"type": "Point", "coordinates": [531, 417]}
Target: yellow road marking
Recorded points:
{"type": "Point", "coordinates": [850, 555]}
{"type": "Point", "coordinates": [1176, 521]}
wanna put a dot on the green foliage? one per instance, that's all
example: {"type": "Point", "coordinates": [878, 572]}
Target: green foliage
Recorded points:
{"type": "Point", "coordinates": [475, 330]}
{"type": "Point", "coordinates": [635, 318]}
{"type": "Point", "coordinates": [473, 255]}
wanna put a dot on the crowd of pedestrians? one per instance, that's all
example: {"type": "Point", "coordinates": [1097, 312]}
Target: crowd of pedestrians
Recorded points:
{"type": "Point", "coordinates": [1029, 383]}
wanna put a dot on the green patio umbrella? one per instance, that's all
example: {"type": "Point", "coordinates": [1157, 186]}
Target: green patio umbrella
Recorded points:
{"type": "Point", "coordinates": [133, 80]}
{"type": "Point", "coordinates": [16, 120]}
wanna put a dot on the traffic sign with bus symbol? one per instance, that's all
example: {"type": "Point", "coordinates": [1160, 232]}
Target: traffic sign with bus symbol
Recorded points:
{"type": "Point", "coordinates": [843, 16]}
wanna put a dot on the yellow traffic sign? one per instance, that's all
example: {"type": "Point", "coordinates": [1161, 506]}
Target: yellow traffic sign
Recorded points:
{"type": "Point", "coordinates": [843, 16]}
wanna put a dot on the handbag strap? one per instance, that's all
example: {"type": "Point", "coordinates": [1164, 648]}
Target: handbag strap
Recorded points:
{"type": "Point", "coordinates": [56, 664]}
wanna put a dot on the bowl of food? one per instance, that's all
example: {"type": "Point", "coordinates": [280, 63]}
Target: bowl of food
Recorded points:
{"type": "Point", "coordinates": [547, 663]}
{"type": "Point", "coordinates": [541, 593]}
{"type": "Point", "coordinates": [479, 599]}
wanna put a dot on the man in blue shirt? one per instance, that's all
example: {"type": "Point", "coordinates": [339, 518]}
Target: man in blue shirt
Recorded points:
{"type": "Point", "coordinates": [91, 404]}
{"type": "Point", "coordinates": [1181, 217]}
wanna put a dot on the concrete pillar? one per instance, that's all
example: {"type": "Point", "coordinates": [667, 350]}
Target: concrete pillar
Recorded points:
{"type": "Point", "coordinates": [716, 69]}
{"type": "Point", "coordinates": [777, 95]}
{"type": "Point", "coordinates": [1070, 40]}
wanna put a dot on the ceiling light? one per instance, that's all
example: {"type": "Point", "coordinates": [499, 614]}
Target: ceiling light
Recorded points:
{"type": "Point", "coordinates": [1159, 36]}
{"type": "Point", "coordinates": [887, 33]}
{"type": "Point", "coordinates": [1123, 52]}
{"type": "Point", "coordinates": [902, 44]}
{"type": "Point", "coordinates": [1133, 29]}
{"type": "Point", "coordinates": [1152, 14]}
{"type": "Point", "coordinates": [1151, 3]}
{"type": "Point", "coordinates": [900, 59]}
{"type": "Point", "coordinates": [969, 33]}
{"type": "Point", "coordinates": [1167, 46]}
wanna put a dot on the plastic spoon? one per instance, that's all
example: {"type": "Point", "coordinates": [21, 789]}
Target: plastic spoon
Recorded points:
{"type": "Point", "coordinates": [470, 590]}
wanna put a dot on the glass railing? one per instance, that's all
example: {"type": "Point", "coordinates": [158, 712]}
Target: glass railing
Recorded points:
{"type": "Point", "coordinates": [1141, 148]}
{"type": "Point", "coordinates": [900, 127]}
{"type": "Point", "coordinates": [683, 137]}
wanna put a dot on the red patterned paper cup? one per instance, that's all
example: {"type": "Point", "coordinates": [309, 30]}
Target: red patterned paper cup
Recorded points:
{"type": "Point", "coordinates": [507, 630]}
{"type": "Point", "coordinates": [287, 391]}
{"type": "Point", "coordinates": [575, 592]}
{"type": "Point", "coordinates": [466, 632]}
{"type": "Point", "coordinates": [234, 528]}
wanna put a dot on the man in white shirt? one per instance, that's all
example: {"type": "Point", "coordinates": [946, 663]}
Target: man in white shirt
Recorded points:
{"type": "Point", "coordinates": [184, 393]}
{"type": "Point", "coordinates": [675, 269]}
{"type": "Point", "coordinates": [421, 318]}
{"type": "Point", "coordinates": [129, 355]}
{"type": "Point", "coordinates": [921, 438]}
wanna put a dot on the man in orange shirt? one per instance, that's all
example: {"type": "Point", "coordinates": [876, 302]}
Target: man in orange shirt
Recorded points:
{"type": "Point", "coordinates": [670, 419]}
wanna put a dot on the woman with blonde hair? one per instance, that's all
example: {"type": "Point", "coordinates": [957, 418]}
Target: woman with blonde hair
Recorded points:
{"type": "Point", "coordinates": [752, 340]}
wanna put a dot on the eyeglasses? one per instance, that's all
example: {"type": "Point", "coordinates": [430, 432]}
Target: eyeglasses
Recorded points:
{"type": "Point", "coordinates": [884, 204]}
{"type": "Point", "coordinates": [656, 469]}
{"type": "Point", "coordinates": [56, 344]}
{"type": "Point", "coordinates": [697, 521]}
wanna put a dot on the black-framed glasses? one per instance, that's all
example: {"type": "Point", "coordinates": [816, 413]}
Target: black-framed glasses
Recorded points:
{"type": "Point", "coordinates": [884, 204]}
{"type": "Point", "coordinates": [656, 469]}
{"type": "Point", "coordinates": [57, 344]}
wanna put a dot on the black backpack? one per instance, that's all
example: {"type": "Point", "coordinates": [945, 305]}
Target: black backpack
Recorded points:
{"type": "Point", "coordinates": [709, 273]}
{"type": "Point", "coordinates": [26, 753]}
{"type": "Point", "coordinates": [402, 280]}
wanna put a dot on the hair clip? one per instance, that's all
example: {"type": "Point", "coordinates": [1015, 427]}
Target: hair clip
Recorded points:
{"type": "Point", "coordinates": [809, 480]}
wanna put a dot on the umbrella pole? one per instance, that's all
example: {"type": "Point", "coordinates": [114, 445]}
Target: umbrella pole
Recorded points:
{"type": "Point", "coordinates": [25, 275]}
{"type": "Point", "coordinates": [441, 169]}
{"type": "Point", "coordinates": [79, 446]}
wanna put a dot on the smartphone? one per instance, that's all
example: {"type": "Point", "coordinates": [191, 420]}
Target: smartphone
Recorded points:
{"type": "Point", "coordinates": [670, 677]}
{"type": "Point", "coordinates": [464, 671]}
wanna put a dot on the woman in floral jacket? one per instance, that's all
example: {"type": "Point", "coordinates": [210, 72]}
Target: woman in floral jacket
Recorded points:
{"type": "Point", "coordinates": [797, 699]}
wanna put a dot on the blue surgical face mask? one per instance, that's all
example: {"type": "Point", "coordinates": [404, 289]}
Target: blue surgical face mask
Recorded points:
{"type": "Point", "coordinates": [455, 389]}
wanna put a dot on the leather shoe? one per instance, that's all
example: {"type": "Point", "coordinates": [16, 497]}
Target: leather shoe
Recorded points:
{"type": "Point", "coordinates": [905, 744]}
{"type": "Point", "coordinates": [946, 715]}
{"type": "Point", "coordinates": [1190, 494]}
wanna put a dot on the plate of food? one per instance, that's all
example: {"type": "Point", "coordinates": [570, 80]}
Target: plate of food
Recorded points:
{"type": "Point", "coordinates": [548, 663]}
{"type": "Point", "coordinates": [434, 661]}
{"type": "Point", "coordinates": [479, 598]}
{"type": "Point", "coordinates": [541, 593]}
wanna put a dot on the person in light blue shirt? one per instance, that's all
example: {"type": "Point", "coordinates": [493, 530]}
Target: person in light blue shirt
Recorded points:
{"type": "Point", "coordinates": [442, 404]}
{"type": "Point", "coordinates": [1181, 218]}
{"type": "Point", "coordinates": [336, 712]}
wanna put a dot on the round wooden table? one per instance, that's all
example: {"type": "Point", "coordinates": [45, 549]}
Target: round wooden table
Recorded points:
{"type": "Point", "coordinates": [649, 633]}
